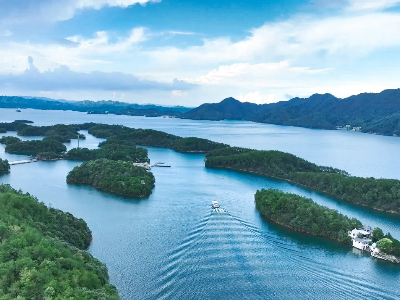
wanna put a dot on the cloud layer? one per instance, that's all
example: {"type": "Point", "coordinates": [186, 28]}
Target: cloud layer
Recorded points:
{"type": "Point", "coordinates": [27, 11]}
{"type": "Point", "coordinates": [63, 78]}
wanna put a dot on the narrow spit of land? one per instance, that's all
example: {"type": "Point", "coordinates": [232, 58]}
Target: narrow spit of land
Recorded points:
{"type": "Point", "coordinates": [378, 194]}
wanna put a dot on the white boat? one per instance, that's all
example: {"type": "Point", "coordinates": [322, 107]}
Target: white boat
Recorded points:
{"type": "Point", "coordinates": [160, 164]}
{"type": "Point", "coordinates": [214, 204]}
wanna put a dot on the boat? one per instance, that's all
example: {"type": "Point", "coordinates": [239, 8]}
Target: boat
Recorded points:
{"type": "Point", "coordinates": [18, 110]}
{"type": "Point", "coordinates": [161, 164]}
{"type": "Point", "coordinates": [214, 204]}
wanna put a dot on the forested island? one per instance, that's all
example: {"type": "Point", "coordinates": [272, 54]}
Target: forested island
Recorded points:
{"type": "Point", "coordinates": [379, 194]}
{"type": "Point", "coordinates": [148, 137]}
{"type": "Point", "coordinates": [304, 215]}
{"type": "Point", "coordinates": [42, 253]}
{"type": "Point", "coordinates": [117, 177]}
{"type": "Point", "coordinates": [4, 167]}
{"type": "Point", "coordinates": [121, 144]}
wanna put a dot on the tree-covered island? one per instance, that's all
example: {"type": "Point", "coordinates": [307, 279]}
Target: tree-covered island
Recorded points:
{"type": "Point", "coordinates": [4, 166]}
{"type": "Point", "coordinates": [121, 142]}
{"type": "Point", "coordinates": [42, 253]}
{"type": "Point", "coordinates": [304, 215]}
{"type": "Point", "coordinates": [117, 177]}
{"type": "Point", "coordinates": [379, 194]}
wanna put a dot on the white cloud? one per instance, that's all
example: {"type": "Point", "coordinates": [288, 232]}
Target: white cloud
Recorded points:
{"type": "Point", "coordinates": [371, 5]}
{"type": "Point", "coordinates": [62, 78]}
{"type": "Point", "coordinates": [42, 11]}
{"type": "Point", "coordinates": [181, 32]}
{"type": "Point", "coordinates": [264, 74]}
{"type": "Point", "coordinates": [299, 38]}
{"type": "Point", "coordinates": [178, 93]}
{"type": "Point", "coordinates": [100, 43]}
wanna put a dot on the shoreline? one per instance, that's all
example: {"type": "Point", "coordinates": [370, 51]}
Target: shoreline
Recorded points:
{"type": "Point", "coordinates": [302, 185]}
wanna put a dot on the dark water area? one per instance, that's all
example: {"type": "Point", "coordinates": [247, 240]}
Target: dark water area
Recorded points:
{"type": "Point", "coordinates": [172, 245]}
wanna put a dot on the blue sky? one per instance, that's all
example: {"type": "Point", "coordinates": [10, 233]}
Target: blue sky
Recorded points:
{"type": "Point", "coordinates": [176, 52]}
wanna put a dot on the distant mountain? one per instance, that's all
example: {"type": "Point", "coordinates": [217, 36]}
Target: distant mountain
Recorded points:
{"type": "Point", "coordinates": [93, 107]}
{"type": "Point", "coordinates": [373, 112]}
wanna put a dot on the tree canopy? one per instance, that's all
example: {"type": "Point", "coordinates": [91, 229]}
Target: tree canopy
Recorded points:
{"type": "Point", "coordinates": [4, 166]}
{"type": "Point", "coordinates": [380, 194]}
{"type": "Point", "coordinates": [117, 177]}
{"type": "Point", "coordinates": [42, 253]}
{"type": "Point", "coordinates": [304, 215]}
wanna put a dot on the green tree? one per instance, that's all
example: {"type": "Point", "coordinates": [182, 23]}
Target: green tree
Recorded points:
{"type": "Point", "coordinates": [377, 234]}
{"type": "Point", "coordinates": [385, 245]}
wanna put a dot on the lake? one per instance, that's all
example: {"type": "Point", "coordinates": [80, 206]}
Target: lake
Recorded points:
{"type": "Point", "coordinates": [173, 246]}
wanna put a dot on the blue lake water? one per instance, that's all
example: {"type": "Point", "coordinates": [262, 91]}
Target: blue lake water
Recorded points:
{"type": "Point", "coordinates": [173, 246]}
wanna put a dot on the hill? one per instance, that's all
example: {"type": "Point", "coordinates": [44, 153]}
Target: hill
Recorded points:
{"type": "Point", "coordinates": [373, 112]}
{"type": "Point", "coordinates": [96, 107]}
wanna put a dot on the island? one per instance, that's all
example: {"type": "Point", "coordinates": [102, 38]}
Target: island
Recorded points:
{"type": "Point", "coordinates": [304, 215]}
{"type": "Point", "coordinates": [42, 253]}
{"type": "Point", "coordinates": [121, 144]}
{"type": "Point", "coordinates": [34, 147]}
{"type": "Point", "coordinates": [119, 134]}
{"type": "Point", "coordinates": [114, 176]}
{"type": "Point", "coordinates": [109, 151]}
{"type": "Point", "coordinates": [378, 194]}
{"type": "Point", "coordinates": [4, 167]}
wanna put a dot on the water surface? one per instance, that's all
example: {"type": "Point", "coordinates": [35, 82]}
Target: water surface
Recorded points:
{"type": "Point", "coordinates": [173, 246]}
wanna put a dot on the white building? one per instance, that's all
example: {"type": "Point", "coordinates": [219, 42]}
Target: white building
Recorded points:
{"type": "Point", "coordinates": [362, 244]}
{"type": "Point", "coordinates": [355, 232]}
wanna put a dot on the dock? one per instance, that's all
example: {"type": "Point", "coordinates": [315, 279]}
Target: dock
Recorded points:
{"type": "Point", "coordinates": [20, 162]}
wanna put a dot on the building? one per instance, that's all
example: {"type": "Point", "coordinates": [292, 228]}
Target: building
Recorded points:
{"type": "Point", "coordinates": [362, 244]}
{"type": "Point", "coordinates": [366, 234]}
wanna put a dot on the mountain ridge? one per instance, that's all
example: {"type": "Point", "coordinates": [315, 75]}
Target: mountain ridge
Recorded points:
{"type": "Point", "coordinates": [373, 112]}
{"type": "Point", "coordinates": [368, 112]}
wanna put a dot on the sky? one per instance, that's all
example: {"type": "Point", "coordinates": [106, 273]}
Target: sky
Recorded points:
{"type": "Point", "coordinates": [189, 52]}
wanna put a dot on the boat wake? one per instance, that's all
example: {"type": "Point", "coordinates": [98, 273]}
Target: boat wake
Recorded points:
{"type": "Point", "coordinates": [224, 257]}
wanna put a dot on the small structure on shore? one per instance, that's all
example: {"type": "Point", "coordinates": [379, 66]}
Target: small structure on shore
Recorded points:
{"type": "Point", "coordinates": [362, 239]}
{"type": "Point", "coordinates": [145, 165]}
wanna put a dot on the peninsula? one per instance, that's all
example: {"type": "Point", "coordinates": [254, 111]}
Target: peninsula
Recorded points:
{"type": "Point", "coordinates": [378, 194]}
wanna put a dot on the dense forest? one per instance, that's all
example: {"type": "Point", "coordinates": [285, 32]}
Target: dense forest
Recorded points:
{"type": "Point", "coordinates": [373, 112]}
{"type": "Point", "coordinates": [42, 253]}
{"type": "Point", "coordinates": [59, 132]}
{"type": "Point", "coordinates": [109, 151]}
{"type": "Point", "coordinates": [35, 147]}
{"type": "Point", "coordinates": [4, 167]}
{"type": "Point", "coordinates": [304, 215]}
{"type": "Point", "coordinates": [117, 177]}
{"type": "Point", "coordinates": [96, 107]}
{"type": "Point", "coordinates": [118, 134]}
{"type": "Point", "coordinates": [380, 194]}
{"type": "Point", "coordinates": [121, 141]}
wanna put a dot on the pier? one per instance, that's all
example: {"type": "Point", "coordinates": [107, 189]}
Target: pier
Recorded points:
{"type": "Point", "coordinates": [20, 162]}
